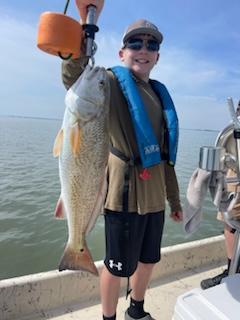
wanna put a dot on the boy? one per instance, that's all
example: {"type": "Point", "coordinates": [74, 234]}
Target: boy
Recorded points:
{"type": "Point", "coordinates": [140, 175]}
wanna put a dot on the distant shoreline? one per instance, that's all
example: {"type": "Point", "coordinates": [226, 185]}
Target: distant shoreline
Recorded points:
{"type": "Point", "coordinates": [209, 130]}
{"type": "Point", "coordinates": [29, 117]}
{"type": "Point", "coordinates": [56, 119]}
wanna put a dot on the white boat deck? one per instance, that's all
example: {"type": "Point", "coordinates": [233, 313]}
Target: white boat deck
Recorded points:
{"type": "Point", "coordinates": [73, 295]}
{"type": "Point", "coordinates": [160, 299]}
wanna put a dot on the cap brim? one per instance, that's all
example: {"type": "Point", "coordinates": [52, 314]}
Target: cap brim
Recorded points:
{"type": "Point", "coordinates": [156, 34]}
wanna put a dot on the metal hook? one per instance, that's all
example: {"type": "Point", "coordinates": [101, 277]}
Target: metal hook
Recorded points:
{"type": "Point", "coordinates": [66, 57]}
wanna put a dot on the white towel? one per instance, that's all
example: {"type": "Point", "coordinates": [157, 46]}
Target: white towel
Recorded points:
{"type": "Point", "coordinates": [200, 181]}
{"type": "Point", "coordinates": [196, 192]}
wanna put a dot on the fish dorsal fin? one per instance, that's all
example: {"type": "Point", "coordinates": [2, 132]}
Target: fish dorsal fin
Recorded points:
{"type": "Point", "coordinates": [58, 144]}
{"type": "Point", "coordinates": [75, 139]}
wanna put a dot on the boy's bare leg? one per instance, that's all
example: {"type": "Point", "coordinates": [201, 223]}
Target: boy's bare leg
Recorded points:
{"type": "Point", "coordinates": [109, 288]}
{"type": "Point", "coordinates": [229, 241]}
{"type": "Point", "coordinates": [140, 279]}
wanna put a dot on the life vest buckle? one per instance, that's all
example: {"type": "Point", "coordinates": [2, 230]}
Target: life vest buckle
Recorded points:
{"type": "Point", "coordinates": [145, 174]}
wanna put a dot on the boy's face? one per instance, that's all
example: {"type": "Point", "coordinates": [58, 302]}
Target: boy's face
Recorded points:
{"type": "Point", "coordinates": [139, 61]}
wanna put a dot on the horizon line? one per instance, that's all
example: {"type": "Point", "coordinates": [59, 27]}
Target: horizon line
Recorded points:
{"type": "Point", "coordinates": [57, 119]}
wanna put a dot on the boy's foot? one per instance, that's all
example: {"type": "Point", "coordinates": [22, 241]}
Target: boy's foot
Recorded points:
{"type": "Point", "coordinates": [211, 282]}
{"type": "Point", "coordinates": [146, 317]}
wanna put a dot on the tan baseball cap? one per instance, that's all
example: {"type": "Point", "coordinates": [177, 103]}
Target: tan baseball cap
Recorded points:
{"type": "Point", "coordinates": [142, 26]}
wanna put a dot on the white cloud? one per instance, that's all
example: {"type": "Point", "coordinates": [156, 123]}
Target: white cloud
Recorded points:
{"type": "Point", "coordinates": [108, 47]}
{"type": "Point", "coordinates": [31, 81]}
{"type": "Point", "coordinates": [30, 78]}
{"type": "Point", "coordinates": [186, 71]}
{"type": "Point", "coordinates": [201, 112]}
{"type": "Point", "coordinates": [199, 87]}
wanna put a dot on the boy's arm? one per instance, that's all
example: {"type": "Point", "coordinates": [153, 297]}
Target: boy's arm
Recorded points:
{"type": "Point", "coordinates": [72, 69]}
{"type": "Point", "coordinates": [172, 189]}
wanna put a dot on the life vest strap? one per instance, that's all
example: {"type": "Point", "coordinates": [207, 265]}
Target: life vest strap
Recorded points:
{"type": "Point", "coordinates": [131, 162]}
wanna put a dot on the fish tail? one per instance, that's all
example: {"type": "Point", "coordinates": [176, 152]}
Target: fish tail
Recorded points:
{"type": "Point", "coordinates": [77, 260]}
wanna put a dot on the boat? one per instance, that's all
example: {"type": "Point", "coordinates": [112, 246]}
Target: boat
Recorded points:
{"type": "Point", "coordinates": [75, 295]}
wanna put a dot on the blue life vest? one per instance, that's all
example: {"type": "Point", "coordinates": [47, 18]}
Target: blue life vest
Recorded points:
{"type": "Point", "coordinates": [148, 146]}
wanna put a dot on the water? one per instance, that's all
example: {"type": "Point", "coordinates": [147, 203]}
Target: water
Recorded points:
{"type": "Point", "coordinates": [31, 240]}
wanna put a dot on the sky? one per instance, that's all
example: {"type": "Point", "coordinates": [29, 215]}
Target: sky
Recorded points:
{"type": "Point", "coordinates": [199, 57]}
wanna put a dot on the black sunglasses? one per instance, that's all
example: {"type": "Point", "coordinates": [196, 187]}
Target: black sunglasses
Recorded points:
{"type": "Point", "coordinates": [137, 44]}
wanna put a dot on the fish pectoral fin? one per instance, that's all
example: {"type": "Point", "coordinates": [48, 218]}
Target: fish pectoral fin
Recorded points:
{"type": "Point", "coordinates": [77, 260]}
{"type": "Point", "coordinates": [58, 144]}
{"type": "Point", "coordinates": [75, 139]}
{"type": "Point", "coordinates": [60, 209]}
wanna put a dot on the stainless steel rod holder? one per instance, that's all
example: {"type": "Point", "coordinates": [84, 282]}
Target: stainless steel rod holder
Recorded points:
{"type": "Point", "coordinates": [211, 158]}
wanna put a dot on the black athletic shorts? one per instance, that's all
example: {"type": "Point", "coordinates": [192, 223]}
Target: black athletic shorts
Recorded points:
{"type": "Point", "coordinates": [130, 238]}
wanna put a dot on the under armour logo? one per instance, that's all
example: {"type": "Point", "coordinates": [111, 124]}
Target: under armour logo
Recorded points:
{"type": "Point", "coordinates": [117, 265]}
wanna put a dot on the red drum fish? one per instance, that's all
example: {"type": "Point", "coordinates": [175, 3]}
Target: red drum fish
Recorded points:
{"type": "Point", "coordinates": [82, 145]}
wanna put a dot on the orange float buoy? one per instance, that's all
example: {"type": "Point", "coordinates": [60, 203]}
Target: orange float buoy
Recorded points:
{"type": "Point", "coordinates": [59, 34]}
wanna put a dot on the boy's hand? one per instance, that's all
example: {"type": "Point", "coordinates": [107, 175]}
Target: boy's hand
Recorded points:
{"type": "Point", "coordinates": [82, 8]}
{"type": "Point", "coordinates": [176, 216]}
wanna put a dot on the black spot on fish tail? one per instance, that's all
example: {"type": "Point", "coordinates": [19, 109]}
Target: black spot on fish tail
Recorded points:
{"type": "Point", "coordinates": [77, 260]}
